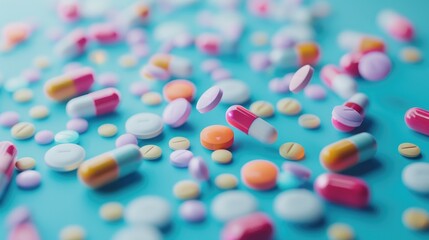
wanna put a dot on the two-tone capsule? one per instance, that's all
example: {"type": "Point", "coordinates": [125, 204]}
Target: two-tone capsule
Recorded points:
{"type": "Point", "coordinates": [297, 56]}
{"type": "Point", "coordinates": [214, 44]}
{"type": "Point", "coordinates": [337, 80]}
{"type": "Point", "coordinates": [8, 153]}
{"type": "Point", "coordinates": [418, 120]}
{"type": "Point", "coordinates": [360, 42]}
{"type": "Point", "coordinates": [255, 226]}
{"type": "Point", "coordinates": [108, 167]}
{"type": "Point", "coordinates": [348, 152]}
{"type": "Point", "coordinates": [94, 104]}
{"type": "Point", "coordinates": [351, 114]}
{"type": "Point", "coordinates": [396, 25]}
{"type": "Point", "coordinates": [72, 45]}
{"type": "Point", "coordinates": [167, 65]}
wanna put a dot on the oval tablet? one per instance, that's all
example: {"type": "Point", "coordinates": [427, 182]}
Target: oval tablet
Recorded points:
{"type": "Point", "coordinates": [233, 204]}
{"type": "Point", "coordinates": [148, 210]}
{"type": "Point", "coordinates": [22, 130]}
{"type": "Point", "coordinates": [144, 125]}
{"type": "Point", "coordinates": [186, 189]}
{"type": "Point", "coordinates": [415, 176]}
{"type": "Point", "coordinates": [409, 150]}
{"type": "Point", "coordinates": [209, 99]}
{"type": "Point", "coordinates": [65, 157]}
{"type": "Point", "coordinates": [301, 78]}
{"type": "Point", "coordinates": [150, 152]}
{"type": "Point", "coordinates": [177, 112]}
{"type": "Point", "coordinates": [292, 151]}
{"type": "Point", "coordinates": [179, 143]}
{"type": "Point", "coordinates": [234, 91]}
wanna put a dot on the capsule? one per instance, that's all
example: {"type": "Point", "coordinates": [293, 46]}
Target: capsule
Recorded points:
{"type": "Point", "coordinates": [349, 63]}
{"type": "Point", "coordinates": [176, 66]}
{"type": "Point", "coordinates": [72, 45]}
{"type": "Point", "coordinates": [301, 54]}
{"type": "Point", "coordinates": [214, 44]}
{"type": "Point", "coordinates": [70, 84]}
{"type": "Point", "coordinates": [360, 42]}
{"type": "Point", "coordinates": [104, 33]}
{"type": "Point", "coordinates": [343, 190]}
{"type": "Point", "coordinates": [340, 82]}
{"type": "Point", "coordinates": [110, 166]}
{"type": "Point", "coordinates": [8, 153]}
{"type": "Point", "coordinates": [396, 25]}
{"type": "Point", "coordinates": [255, 226]}
{"type": "Point", "coordinates": [351, 114]}
{"type": "Point", "coordinates": [69, 10]}
{"type": "Point", "coordinates": [136, 15]}
{"type": "Point", "coordinates": [94, 104]}
{"type": "Point", "coordinates": [247, 122]}
{"type": "Point", "coordinates": [418, 120]}
{"type": "Point", "coordinates": [348, 152]}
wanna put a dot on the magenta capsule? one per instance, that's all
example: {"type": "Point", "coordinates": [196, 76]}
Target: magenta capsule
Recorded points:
{"type": "Point", "coordinates": [214, 44]}
{"type": "Point", "coordinates": [340, 82]}
{"type": "Point", "coordinates": [351, 114]}
{"type": "Point", "coordinates": [255, 226]}
{"type": "Point", "coordinates": [342, 189]}
{"type": "Point", "coordinates": [418, 120]}
{"type": "Point", "coordinates": [68, 10]}
{"type": "Point", "coordinates": [252, 125]}
{"type": "Point", "coordinates": [8, 153]}
{"type": "Point", "coordinates": [104, 33]}
{"type": "Point", "coordinates": [94, 104]}
{"type": "Point", "coordinates": [349, 62]}
{"type": "Point", "coordinates": [72, 45]}
{"type": "Point", "coordinates": [396, 25]}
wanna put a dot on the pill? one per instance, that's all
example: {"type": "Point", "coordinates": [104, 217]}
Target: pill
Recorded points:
{"type": "Point", "coordinates": [138, 232]}
{"type": "Point", "coordinates": [226, 181]}
{"type": "Point", "coordinates": [410, 55]}
{"type": "Point", "coordinates": [309, 121]}
{"type": "Point", "coordinates": [176, 66]}
{"type": "Point", "coordinates": [288, 180]}
{"type": "Point", "coordinates": [396, 25]}
{"type": "Point", "coordinates": [23, 95]}
{"type": "Point", "coordinates": [234, 91]}
{"type": "Point", "coordinates": [44, 137]}
{"type": "Point", "coordinates": [144, 125]}
{"type": "Point", "coordinates": [22, 130]}
{"type": "Point", "coordinates": [416, 218]}
{"type": "Point", "coordinates": [67, 136]}
{"type": "Point", "coordinates": [351, 114]}
{"type": "Point", "coordinates": [297, 169]}
{"type": "Point", "coordinates": [79, 125]}
{"type": "Point", "coordinates": [210, 65]}
{"type": "Point", "coordinates": [279, 85]}
{"type": "Point", "coordinates": [292, 151]}
{"type": "Point", "coordinates": [28, 179]}
{"type": "Point", "coordinates": [127, 61]}
{"type": "Point", "coordinates": [212, 44]}
{"type": "Point", "coordinates": [70, 84]}
{"type": "Point", "coordinates": [72, 232]}
{"type": "Point", "coordinates": [72, 45]}
{"type": "Point", "coordinates": [349, 63]}
{"type": "Point", "coordinates": [104, 33]}
{"type": "Point", "coordinates": [150, 152]}
{"type": "Point", "coordinates": [126, 139]}
{"type": "Point", "coordinates": [224, 206]}
{"type": "Point", "coordinates": [221, 74]}
{"type": "Point", "coordinates": [216, 137]}
{"type": "Point", "coordinates": [415, 177]}
{"type": "Point", "coordinates": [136, 15]}
{"type": "Point", "coordinates": [348, 152]}
{"type": "Point", "coordinates": [18, 216]}
{"type": "Point", "coordinates": [41, 62]}
{"type": "Point", "coordinates": [98, 57]}
{"type": "Point", "coordinates": [25, 163]}
{"type": "Point", "coordinates": [149, 210]}
{"type": "Point", "coordinates": [340, 231]}
{"type": "Point", "coordinates": [192, 211]}
{"type": "Point", "coordinates": [111, 211]}
{"type": "Point", "coordinates": [375, 66]}
{"type": "Point", "coordinates": [151, 98]}
{"type": "Point", "coordinates": [409, 150]}
{"type": "Point", "coordinates": [417, 120]}
{"type": "Point", "coordinates": [152, 72]}
{"type": "Point", "coordinates": [8, 119]}
{"type": "Point", "coordinates": [139, 88]}
{"type": "Point", "coordinates": [360, 42]}
{"type": "Point", "coordinates": [259, 174]}
{"type": "Point", "coordinates": [94, 104]}
{"type": "Point", "coordinates": [253, 226]}
{"type": "Point", "coordinates": [198, 169]}
{"type": "Point", "coordinates": [181, 158]}
{"type": "Point", "coordinates": [25, 230]}
{"type": "Point", "coordinates": [259, 61]}
{"type": "Point", "coordinates": [186, 189]}
{"type": "Point", "coordinates": [262, 109]}
{"type": "Point", "coordinates": [337, 80]}
{"type": "Point", "coordinates": [65, 157]}
{"type": "Point", "coordinates": [209, 99]}
{"type": "Point", "coordinates": [222, 156]}
{"type": "Point", "coordinates": [39, 112]}
{"type": "Point", "coordinates": [288, 106]}
{"type": "Point", "coordinates": [179, 143]}
{"type": "Point", "coordinates": [341, 189]}
{"type": "Point", "coordinates": [107, 167]}
{"type": "Point", "coordinates": [247, 122]}
{"type": "Point", "coordinates": [300, 54]}
{"type": "Point", "coordinates": [298, 206]}
{"type": "Point", "coordinates": [315, 92]}
{"type": "Point", "coordinates": [8, 153]}
{"type": "Point", "coordinates": [301, 78]}
{"type": "Point", "coordinates": [177, 112]}
{"type": "Point", "coordinates": [16, 32]}
{"type": "Point", "coordinates": [179, 89]}
{"type": "Point", "coordinates": [107, 130]}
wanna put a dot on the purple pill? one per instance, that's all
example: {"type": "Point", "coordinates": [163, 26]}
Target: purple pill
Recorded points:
{"type": "Point", "coordinates": [181, 158]}
{"type": "Point", "coordinates": [260, 61]}
{"type": "Point", "coordinates": [31, 75]}
{"type": "Point", "coordinates": [136, 36]}
{"type": "Point", "coordinates": [210, 99]}
{"type": "Point", "coordinates": [297, 170]}
{"type": "Point", "coordinates": [79, 125]}
{"type": "Point", "coordinates": [193, 211]}
{"type": "Point", "coordinates": [177, 112]}
{"type": "Point", "coordinates": [8, 119]}
{"type": "Point", "coordinates": [139, 88]}
{"type": "Point", "coordinates": [346, 116]}
{"type": "Point", "coordinates": [374, 66]}
{"type": "Point", "coordinates": [17, 216]}
{"type": "Point", "coordinates": [44, 137]}
{"type": "Point", "coordinates": [28, 179]}
{"type": "Point", "coordinates": [198, 169]}
{"type": "Point", "coordinates": [210, 65]}
{"type": "Point", "coordinates": [126, 139]}
{"type": "Point", "coordinates": [155, 72]}
{"type": "Point", "coordinates": [108, 79]}
{"type": "Point", "coordinates": [220, 74]}
{"type": "Point", "coordinates": [315, 92]}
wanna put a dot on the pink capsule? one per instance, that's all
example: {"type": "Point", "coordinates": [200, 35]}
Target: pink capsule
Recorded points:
{"type": "Point", "coordinates": [247, 122]}
{"type": "Point", "coordinates": [8, 153]}
{"type": "Point", "coordinates": [68, 10]}
{"type": "Point", "coordinates": [94, 104]}
{"type": "Point", "coordinates": [255, 226]}
{"type": "Point", "coordinates": [418, 120]}
{"type": "Point", "coordinates": [340, 82]}
{"type": "Point", "coordinates": [396, 25]}
{"type": "Point", "coordinates": [72, 45]}
{"type": "Point", "coordinates": [342, 189]}
{"type": "Point", "coordinates": [349, 62]}
{"type": "Point", "coordinates": [104, 33]}
{"type": "Point", "coordinates": [351, 114]}
{"type": "Point", "coordinates": [214, 44]}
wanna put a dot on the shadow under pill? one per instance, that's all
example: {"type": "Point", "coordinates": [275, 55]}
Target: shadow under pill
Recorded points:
{"type": "Point", "coordinates": [121, 183]}
{"type": "Point", "coordinates": [367, 125]}
{"type": "Point", "coordinates": [363, 168]}
{"type": "Point", "coordinates": [154, 140]}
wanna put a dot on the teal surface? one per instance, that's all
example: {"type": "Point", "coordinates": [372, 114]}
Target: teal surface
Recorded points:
{"type": "Point", "coordinates": [62, 200]}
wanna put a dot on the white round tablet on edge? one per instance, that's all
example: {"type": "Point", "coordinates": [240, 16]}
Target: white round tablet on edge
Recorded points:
{"type": "Point", "coordinates": [138, 233]}
{"type": "Point", "coordinates": [65, 157]}
{"type": "Point", "coordinates": [416, 177]}
{"type": "Point", "coordinates": [298, 206]}
{"type": "Point", "coordinates": [149, 210]}
{"type": "Point", "coordinates": [234, 91]}
{"type": "Point", "coordinates": [209, 100]}
{"type": "Point", "coordinates": [144, 125]}
{"type": "Point", "coordinates": [233, 204]}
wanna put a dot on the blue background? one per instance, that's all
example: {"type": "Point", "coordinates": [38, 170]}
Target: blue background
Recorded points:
{"type": "Point", "coordinates": [62, 200]}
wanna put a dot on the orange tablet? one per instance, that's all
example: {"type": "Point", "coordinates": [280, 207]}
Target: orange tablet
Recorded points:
{"type": "Point", "coordinates": [217, 137]}
{"type": "Point", "coordinates": [259, 174]}
{"type": "Point", "coordinates": [179, 89]}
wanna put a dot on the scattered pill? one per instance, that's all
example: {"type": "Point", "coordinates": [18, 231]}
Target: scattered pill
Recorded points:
{"type": "Point", "coordinates": [23, 130]}
{"type": "Point", "coordinates": [149, 210]}
{"type": "Point", "coordinates": [409, 150]}
{"type": "Point", "coordinates": [259, 174]}
{"type": "Point", "coordinates": [209, 99]}
{"type": "Point", "coordinates": [181, 158]}
{"type": "Point", "coordinates": [288, 106]}
{"type": "Point", "coordinates": [97, 103]}
{"type": "Point", "coordinates": [67, 136]}
{"type": "Point", "coordinates": [125, 139]}
{"type": "Point", "coordinates": [415, 176]}
{"type": "Point", "coordinates": [416, 218]}
{"type": "Point", "coordinates": [179, 143]}
{"type": "Point", "coordinates": [216, 137]}
{"type": "Point", "coordinates": [72, 232]}
{"type": "Point", "coordinates": [226, 181]}
{"type": "Point", "coordinates": [315, 92]}
{"type": "Point", "coordinates": [179, 89]}
{"type": "Point", "coordinates": [177, 112]}
{"type": "Point", "coordinates": [234, 91]}
{"type": "Point", "coordinates": [41, 62]}
{"type": "Point", "coordinates": [193, 211]}
{"type": "Point", "coordinates": [396, 25]}
{"type": "Point", "coordinates": [139, 88]}
{"type": "Point", "coordinates": [252, 226]}
{"type": "Point", "coordinates": [309, 121]}
{"type": "Point", "coordinates": [107, 130]}
{"type": "Point", "coordinates": [79, 125]}
{"type": "Point", "coordinates": [186, 189]}
{"type": "Point", "coordinates": [339, 81]}
{"type": "Point", "coordinates": [9, 119]}
{"type": "Point", "coordinates": [300, 54]}
{"type": "Point", "coordinates": [25, 163]}
{"type": "Point", "coordinates": [151, 98]}
{"type": "Point", "coordinates": [111, 211]}
{"type": "Point", "coordinates": [210, 65]}
{"type": "Point", "coordinates": [198, 169]}
{"type": "Point", "coordinates": [144, 125]}
{"type": "Point", "coordinates": [360, 42]}
{"type": "Point", "coordinates": [417, 120]}
{"type": "Point", "coordinates": [222, 156]}
{"type": "Point", "coordinates": [150, 152]}
{"type": "Point", "coordinates": [28, 179]}
{"type": "Point", "coordinates": [98, 57]}
{"type": "Point", "coordinates": [279, 85]}
{"type": "Point", "coordinates": [410, 55]}
{"type": "Point", "coordinates": [340, 231]}
{"type": "Point", "coordinates": [23, 95]}
{"type": "Point", "coordinates": [224, 206]}
{"type": "Point", "coordinates": [301, 78]}
{"type": "Point", "coordinates": [262, 109]}
{"type": "Point", "coordinates": [39, 112]}
{"type": "Point", "coordinates": [351, 114]}
{"type": "Point", "coordinates": [65, 157]}
{"type": "Point", "coordinates": [127, 61]}
{"type": "Point", "coordinates": [292, 151]}
{"type": "Point", "coordinates": [374, 66]}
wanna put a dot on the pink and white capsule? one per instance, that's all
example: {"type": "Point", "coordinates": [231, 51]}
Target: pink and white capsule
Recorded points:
{"type": "Point", "coordinates": [72, 45]}
{"type": "Point", "coordinates": [214, 44]}
{"type": "Point", "coordinates": [247, 122]}
{"type": "Point", "coordinates": [104, 33]}
{"type": "Point", "coordinates": [94, 104]}
{"type": "Point", "coordinates": [68, 10]}
{"type": "Point", "coordinates": [351, 114]}
{"type": "Point", "coordinates": [8, 153]}
{"type": "Point", "coordinates": [340, 82]}
{"type": "Point", "coordinates": [396, 25]}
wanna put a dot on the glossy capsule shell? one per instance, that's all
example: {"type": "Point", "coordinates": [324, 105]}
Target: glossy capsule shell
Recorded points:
{"type": "Point", "coordinates": [176, 66]}
{"type": "Point", "coordinates": [70, 84]}
{"type": "Point", "coordinates": [8, 153]}
{"type": "Point", "coordinates": [396, 25]}
{"type": "Point", "coordinates": [94, 104]}
{"type": "Point", "coordinates": [351, 115]}
{"type": "Point", "coordinates": [340, 82]}
{"type": "Point", "coordinates": [360, 42]}
{"type": "Point", "coordinates": [110, 166]}
{"type": "Point", "coordinates": [341, 189]}
{"type": "Point", "coordinates": [297, 56]}
{"type": "Point", "coordinates": [72, 45]}
{"type": "Point", "coordinates": [255, 226]}
{"type": "Point", "coordinates": [104, 33]}
{"type": "Point", "coordinates": [348, 152]}
{"type": "Point", "coordinates": [247, 122]}
{"type": "Point", "coordinates": [214, 44]}
{"type": "Point", "coordinates": [418, 120]}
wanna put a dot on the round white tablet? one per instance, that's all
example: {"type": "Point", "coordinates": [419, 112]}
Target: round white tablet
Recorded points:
{"type": "Point", "coordinates": [149, 210]}
{"type": "Point", "coordinates": [65, 157]}
{"type": "Point", "coordinates": [138, 233]}
{"type": "Point", "coordinates": [416, 177]}
{"type": "Point", "coordinates": [298, 206]}
{"type": "Point", "coordinates": [233, 204]}
{"type": "Point", "coordinates": [144, 125]}
{"type": "Point", "coordinates": [234, 91]}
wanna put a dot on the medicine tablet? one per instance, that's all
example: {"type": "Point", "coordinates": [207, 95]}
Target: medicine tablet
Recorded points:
{"type": "Point", "coordinates": [44, 137]}
{"type": "Point", "coordinates": [125, 139]}
{"type": "Point", "coordinates": [111, 211]}
{"type": "Point", "coordinates": [144, 125]}
{"type": "Point", "coordinates": [262, 109]}
{"type": "Point", "coordinates": [234, 91]}
{"type": "Point", "coordinates": [177, 112]}
{"type": "Point", "coordinates": [72, 232]}
{"type": "Point", "coordinates": [309, 121]}
{"type": "Point", "coordinates": [79, 125]}
{"type": "Point", "coordinates": [181, 158]}
{"type": "Point", "coordinates": [226, 181]}
{"type": "Point", "coordinates": [138, 232]}
{"type": "Point", "coordinates": [25, 163]}
{"type": "Point", "coordinates": [107, 130]}
{"type": "Point", "coordinates": [67, 136]}
{"type": "Point", "coordinates": [193, 211]}
{"type": "Point", "coordinates": [179, 89]}
{"type": "Point", "coordinates": [127, 61]}
{"type": "Point", "coordinates": [233, 204]}
{"type": "Point", "coordinates": [415, 176]}
{"type": "Point", "coordinates": [8, 119]}
{"type": "Point", "coordinates": [28, 179]}
{"type": "Point", "coordinates": [288, 106]}
{"type": "Point", "coordinates": [22, 130]}
{"type": "Point", "coordinates": [259, 174]}
{"type": "Point", "coordinates": [222, 156]}
{"type": "Point", "coordinates": [216, 137]}
{"type": "Point", "coordinates": [65, 157]}
{"type": "Point", "coordinates": [151, 98]}
{"type": "Point", "coordinates": [209, 99]}
{"type": "Point", "coordinates": [179, 143]}
{"type": "Point", "coordinates": [416, 219]}
{"type": "Point", "coordinates": [292, 151]}
{"type": "Point", "coordinates": [149, 210]}
{"type": "Point", "coordinates": [186, 189]}
{"type": "Point", "coordinates": [340, 231]}
{"type": "Point", "coordinates": [409, 150]}
{"type": "Point", "coordinates": [23, 95]}
{"type": "Point", "coordinates": [151, 152]}
{"type": "Point", "coordinates": [39, 112]}
{"type": "Point", "coordinates": [98, 57]}
{"type": "Point", "coordinates": [410, 55]}
{"type": "Point", "coordinates": [301, 78]}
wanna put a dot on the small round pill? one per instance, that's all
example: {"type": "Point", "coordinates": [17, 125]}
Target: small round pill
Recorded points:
{"type": "Point", "coordinates": [232, 204]}
{"type": "Point", "coordinates": [410, 55]}
{"type": "Point", "coordinates": [409, 150]}
{"type": "Point", "coordinates": [309, 121]}
{"type": "Point", "coordinates": [179, 143]}
{"type": "Point", "coordinates": [127, 61]}
{"type": "Point", "coordinates": [288, 106]}
{"type": "Point", "coordinates": [41, 62]}
{"type": "Point", "coordinates": [125, 139]}
{"type": "Point", "coordinates": [181, 158]}
{"type": "Point", "coordinates": [148, 210]}
{"type": "Point", "coordinates": [315, 92]}
{"type": "Point", "coordinates": [23, 130]}
{"type": "Point", "coordinates": [340, 231]}
{"type": "Point", "coordinates": [226, 181]}
{"type": "Point", "coordinates": [222, 156]}
{"type": "Point", "coordinates": [292, 151]}
{"type": "Point", "coordinates": [107, 130]}
{"type": "Point", "coordinates": [72, 232]}
{"type": "Point", "coordinates": [79, 125]}
{"type": "Point", "coordinates": [416, 219]}
{"type": "Point", "coordinates": [259, 174]}
{"type": "Point", "coordinates": [151, 98]}
{"type": "Point", "coordinates": [415, 177]}
{"type": "Point", "coordinates": [44, 137]}
{"type": "Point", "coordinates": [28, 179]}
{"type": "Point", "coordinates": [8, 119]}
{"type": "Point", "coordinates": [39, 112]}
{"type": "Point", "coordinates": [262, 109]}
{"type": "Point", "coordinates": [111, 211]}
{"type": "Point", "coordinates": [108, 79]}
{"type": "Point", "coordinates": [216, 137]}
{"type": "Point", "coordinates": [25, 163]}
{"type": "Point", "coordinates": [193, 211]}
{"type": "Point", "coordinates": [186, 189]}
{"type": "Point", "coordinates": [98, 56]}
{"type": "Point", "coordinates": [67, 136]}
{"type": "Point", "coordinates": [23, 95]}
{"type": "Point", "coordinates": [151, 152]}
